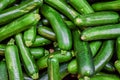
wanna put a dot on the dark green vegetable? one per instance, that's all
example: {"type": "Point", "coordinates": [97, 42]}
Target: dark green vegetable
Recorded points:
{"type": "Point", "coordinates": [62, 56]}
{"type": "Point", "coordinates": [117, 65]}
{"type": "Point", "coordinates": [63, 8]}
{"type": "Point", "coordinates": [27, 59]}
{"type": "Point", "coordinates": [95, 46]}
{"type": "Point", "coordinates": [16, 11]}
{"type": "Point", "coordinates": [109, 5]}
{"type": "Point", "coordinates": [82, 6]}
{"type": "Point", "coordinates": [2, 49]}
{"type": "Point", "coordinates": [63, 34]}
{"type": "Point", "coordinates": [118, 48]}
{"type": "Point", "coordinates": [97, 18]}
{"type": "Point", "coordinates": [13, 61]}
{"type": "Point", "coordinates": [83, 55]}
{"type": "Point", "coordinates": [37, 52]}
{"type": "Point", "coordinates": [3, 71]}
{"type": "Point", "coordinates": [40, 41]}
{"type": "Point", "coordinates": [109, 67]}
{"type": "Point", "coordinates": [53, 68]}
{"type": "Point", "coordinates": [47, 33]}
{"type": "Point", "coordinates": [5, 3]}
{"type": "Point", "coordinates": [22, 24]}
{"type": "Point", "coordinates": [101, 32]}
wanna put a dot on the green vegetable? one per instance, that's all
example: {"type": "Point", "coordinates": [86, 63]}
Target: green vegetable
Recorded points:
{"type": "Point", "coordinates": [2, 49]}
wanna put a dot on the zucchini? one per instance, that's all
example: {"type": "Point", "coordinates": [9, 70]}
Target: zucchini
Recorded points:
{"type": "Point", "coordinates": [27, 59]}
{"type": "Point", "coordinates": [37, 52]}
{"type": "Point", "coordinates": [82, 6]}
{"type": "Point", "coordinates": [3, 70]}
{"type": "Point", "coordinates": [97, 18]}
{"type": "Point", "coordinates": [101, 32]}
{"type": "Point", "coordinates": [13, 61]}
{"type": "Point", "coordinates": [2, 49]}
{"type": "Point", "coordinates": [62, 56]}
{"type": "Point", "coordinates": [11, 13]}
{"type": "Point", "coordinates": [95, 46]}
{"type": "Point", "coordinates": [83, 56]}
{"type": "Point", "coordinates": [109, 67]}
{"type": "Point", "coordinates": [108, 5]}
{"type": "Point", "coordinates": [22, 24]}
{"type": "Point", "coordinates": [40, 41]}
{"type": "Point", "coordinates": [5, 3]}
{"type": "Point", "coordinates": [118, 48]}
{"type": "Point", "coordinates": [63, 34]}
{"type": "Point", "coordinates": [47, 33]}
{"type": "Point", "coordinates": [53, 68]}
{"type": "Point", "coordinates": [117, 65]}
{"type": "Point", "coordinates": [63, 8]}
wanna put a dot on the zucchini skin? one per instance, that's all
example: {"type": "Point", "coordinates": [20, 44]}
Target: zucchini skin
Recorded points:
{"type": "Point", "coordinates": [63, 34]}
{"type": "Point", "coordinates": [16, 11]}
{"type": "Point", "coordinates": [27, 59]}
{"type": "Point", "coordinates": [13, 61]}
{"type": "Point", "coordinates": [2, 49]}
{"type": "Point", "coordinates": [22, 24]}
{"type": "Point", "coordinates": [63, 8]}
{"type": "Point", "coordinates": [83, 55]}
{"type": "Point", "coordinates": [5, 3]}
{"type": "Point", "coordinates": [47, 33]}
{"type": "Point", "coordinates": [62, 56]}
{"type": "Point", "coordinates": [118, 48]}
{"type": "Point", "coordinates": [101, 32]}
{"type": "Point", "coordinates": [82, 6]}
{"type": "Point", "coordinates": [97, 18]}
{"type": "Point", "coordinates": [100, 60]}
{"type": "Point", "coordinates": [117, 65]}
{"type": "Point", "coordinates": [3, 71]}
{"type": "Point", "coordinates": [109, 5]}
{"type": "Point", "coordinates": [37, 52]}
{"type": "Point", "coordinates": [95, 46]}
{"type": "Point", "coordinates": [40, 41]}
{"type": "Point", "coordinates": [53, 68]}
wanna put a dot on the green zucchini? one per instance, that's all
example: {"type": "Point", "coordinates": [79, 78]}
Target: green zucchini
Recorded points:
{"type": "Point", "coordinates": [82, 6]}
{"type": "Point", "coordinates": [62, 56]}
{"type": "Point", "coordinates": [117, 65]}
{"type": "Point", "coordinates": [2, 49]}
{"type": "Point", "coordinates": [11, 13]}
{"type": "Point", "coordinates": [37, 52]}
{"type": "Point", "coordinates": [53, 68]}
{"type": "Point", "coordinates": [118, 48]}
{"type": "Point", "coordinates": [5, 3]}
{"type": "Point", "coordinates": [22, 24]}
{"type": "Point", "coordinates": [47, 33]}
{"type": "Point", "coordinates": [101, 32]}
{"type": "Point", "coordinates": [83, 55]}
{"type": "Point", "coordinates": [63, 34]}
{"type": "Point", "coordinates": [109, 5]}
{"type": "Point", "coordinates": [100, 60]}
{"type": "Point", "coordinates": [40, 41]}
{"type": "Point", "coordinates": [27, 59]}
{"type": "Point", "coordinates": [95, 46]}
{"type": "Point", "coordinates": [13, 61]}
{"type": "Point", "coordinates": [63, 8]}
{"type": "Point", "coordinates": [3, 70]}
{"type": "Point", "coordinates": [97, 18]}
{"type": "Point", "coordinates": [109, 67]}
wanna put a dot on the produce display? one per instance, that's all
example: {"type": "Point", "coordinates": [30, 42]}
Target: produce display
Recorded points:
{"type": "Point", "coordinates": [59, 40]}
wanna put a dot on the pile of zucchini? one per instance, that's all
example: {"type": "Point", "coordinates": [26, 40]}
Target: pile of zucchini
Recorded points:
{"type": "Point", "coordinates": [59, 40]}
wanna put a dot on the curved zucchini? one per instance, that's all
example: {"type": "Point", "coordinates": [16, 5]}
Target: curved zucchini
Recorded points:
{"type": "Point", "coordinates": [63, 34]}
{"type": "Point", "coordinates": [27, 59]}
{"type": "Point", "coordinates": [11, 13]}
{"type": "Point", "coordinates": [63, 8]}
{"type": "Point", "coordinates": [101, 32]}
{"type": "Point", "coordinates": [13, 61]}
{"type": "Point", "coordinates": [22, 24]}
{"type": "Point", "coordinates": [82, 6]}
{"type": "Point", "coordinates": [97, 18]}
